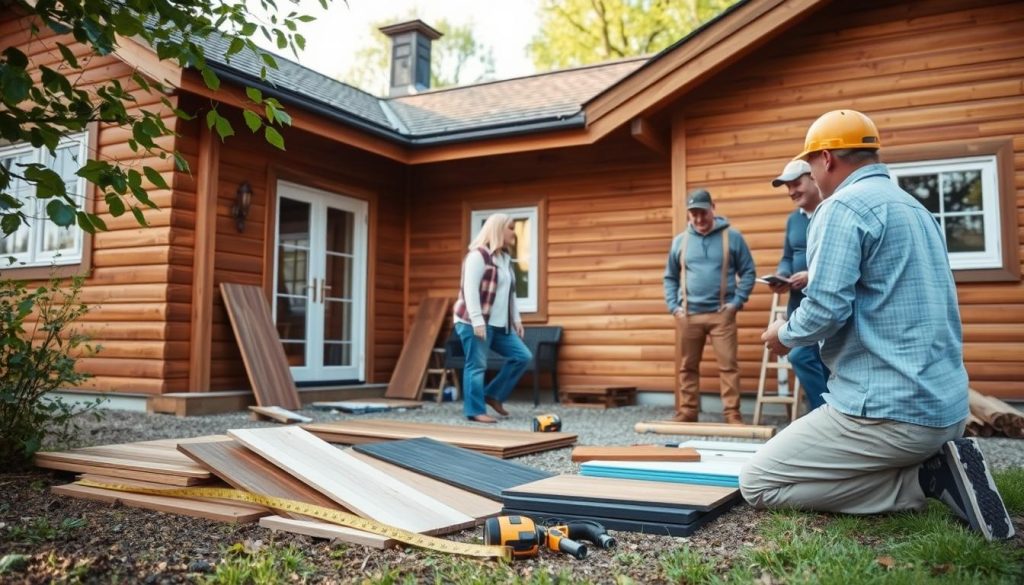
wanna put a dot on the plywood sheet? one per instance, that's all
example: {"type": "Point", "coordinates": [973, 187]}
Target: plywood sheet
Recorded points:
{"type": "Point", "coordinates": [247, 471]}
{"type": "Point", "coordinates": [499, 442]}
{"type": "Point", "coordinates": [358, 487]}
{"type": "Point", "coordinates": [211, 510]}
{"type": "Point", "coordinates": [631, 491]}
{"type": "Point", "coordinates": [278, 414]}
{"type": "Point", "coordinates": [407, 377]}
{"type": "Point", "coordinates": [325, 530]}
{"type": "Point", "coordinates": [262, 352]}
{"type": "Point", "coordinates": [634, 453]}
{"type": "Point", "coordinates": [475, 472]}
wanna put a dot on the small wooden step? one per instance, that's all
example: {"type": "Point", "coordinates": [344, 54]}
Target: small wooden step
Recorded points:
{"type": "Point", "coordinates": [597, 396]}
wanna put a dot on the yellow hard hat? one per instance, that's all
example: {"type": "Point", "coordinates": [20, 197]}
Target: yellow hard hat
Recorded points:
{"type": "Point", "coordinates": [840, 129]}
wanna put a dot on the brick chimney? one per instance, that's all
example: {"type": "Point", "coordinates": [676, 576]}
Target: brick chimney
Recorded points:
{"type": "Point", "coordinates": [410, 56]}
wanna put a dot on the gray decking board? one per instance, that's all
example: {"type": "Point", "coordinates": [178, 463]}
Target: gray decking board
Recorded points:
{"type": "Point", "coordinates": [469, 470]}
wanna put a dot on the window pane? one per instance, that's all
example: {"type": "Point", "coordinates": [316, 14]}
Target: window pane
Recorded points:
{"type": "Point", "coordinates": [521, 253]}
{"type": "Point", "coordinates": [962, 191]}
{"type": "Point", "coordinates": [925, 188]}
{"type": "Point", "coordinates": [17, 243]}
{"type": "Point", "coordinates": [965, 233]}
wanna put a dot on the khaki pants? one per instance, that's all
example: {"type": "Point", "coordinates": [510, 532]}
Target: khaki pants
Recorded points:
{"type": "Point", "coordinates": [830, 462]}
{"type": "Point", "coordinates": [694, 330]}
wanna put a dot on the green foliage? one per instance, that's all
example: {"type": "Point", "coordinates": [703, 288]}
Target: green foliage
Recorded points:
{"type": "Point", "coordinates": [256, 564]}
{"type": "Point", "coordinates": [38, 346]}
{"type": "Point", "coordinates": [41, 110]}
{"type": "Point", "coordinates": [911, 548]}
{"type": "Point", "coordinates": [581, 32]}
{"type": "Point", "coordinates": [687, 566]}
{"type": "Point", "coordinates": [1011, 487]}
{"type": "Point", "coordinates": [40, 530]}
{"type": "Point", "coordinates": [457, 58]}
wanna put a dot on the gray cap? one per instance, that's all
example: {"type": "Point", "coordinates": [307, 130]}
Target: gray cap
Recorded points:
{"type": "Point", "coordinates": [794, 170]}
{"type": "Point", "coordinates": [698, 199]}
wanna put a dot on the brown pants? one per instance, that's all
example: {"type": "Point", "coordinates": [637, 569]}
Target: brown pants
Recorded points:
{"type": "Point", "coordinates": [694, 329]}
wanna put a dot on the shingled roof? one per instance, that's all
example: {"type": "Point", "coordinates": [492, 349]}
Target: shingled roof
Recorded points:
{"type": "Point", "coordinates": [451, 114]}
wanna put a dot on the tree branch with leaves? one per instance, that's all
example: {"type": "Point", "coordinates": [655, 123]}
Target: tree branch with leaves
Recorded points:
{"type": "Point", "coordinates": [42, 103]}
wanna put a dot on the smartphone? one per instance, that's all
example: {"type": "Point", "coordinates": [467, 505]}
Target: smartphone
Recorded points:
{"type": "Point", "coordinates": [773, 279]}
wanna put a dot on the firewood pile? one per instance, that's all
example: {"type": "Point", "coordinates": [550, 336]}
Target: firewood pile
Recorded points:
{"type": "Point", "coordinates": [992, 417]}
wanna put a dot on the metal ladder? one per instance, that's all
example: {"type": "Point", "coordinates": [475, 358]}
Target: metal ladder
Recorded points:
{"type": "Point", "coordinates": [779, 363]}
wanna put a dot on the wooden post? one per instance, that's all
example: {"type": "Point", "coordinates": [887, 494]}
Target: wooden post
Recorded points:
{"type": "Point", "coordinates": [202, 261]}
{"type": "Point", "coordinates": [677, 167]}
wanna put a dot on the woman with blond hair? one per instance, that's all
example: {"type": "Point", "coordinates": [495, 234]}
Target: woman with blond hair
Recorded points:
{"type": "Point", "coordinates": [486, 318]}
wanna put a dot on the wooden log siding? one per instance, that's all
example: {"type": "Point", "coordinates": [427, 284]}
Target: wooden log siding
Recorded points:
{"type": "Point", "coordinates": [927, 72]}
{"type": "Point", "coordinates": [246, 257]}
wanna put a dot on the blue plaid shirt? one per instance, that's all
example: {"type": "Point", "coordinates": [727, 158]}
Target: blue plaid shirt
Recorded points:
{"type": "Point", "coordinates": [881, 298]}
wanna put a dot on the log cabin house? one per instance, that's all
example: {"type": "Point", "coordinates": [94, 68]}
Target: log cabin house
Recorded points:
{"type": "Point", "coordinates": [371, 206]}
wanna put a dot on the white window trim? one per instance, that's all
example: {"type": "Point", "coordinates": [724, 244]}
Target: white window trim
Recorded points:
{"type": "Point", "coordinates": [992, 257]}
{"type": "Point", "coordinates": [35, 208]}
{"type": "Point", "coordinates": [530, 303]}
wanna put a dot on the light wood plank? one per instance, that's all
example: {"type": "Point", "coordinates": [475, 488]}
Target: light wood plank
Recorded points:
{"type": "Point", "coordinates": [333, 532]}
{"type": "Point", "coordinates": [634, 453]}
{"type": "Point", "coordinates": [198, 508]}
{"type": "Point", "coordinates": [355, 485]}
{"type": "Point", "coordinates": [633, 491]}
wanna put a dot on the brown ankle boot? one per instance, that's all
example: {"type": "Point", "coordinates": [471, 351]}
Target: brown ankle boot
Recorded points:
{"type": "Point", "coordinates": [733, 417]}
{"type": "Point", "coordinates": [685, 415]}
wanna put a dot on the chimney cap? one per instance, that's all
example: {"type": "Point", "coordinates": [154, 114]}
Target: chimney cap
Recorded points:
{"type": "Point", "coordinates": [416, 25]}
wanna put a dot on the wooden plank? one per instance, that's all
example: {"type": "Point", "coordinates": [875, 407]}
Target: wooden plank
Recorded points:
{"type": "Point", "coordinates": [633, 491]}
{"type": "Point", "coordinates": [634, 453]}
{"type": "Point", "coordinates": [165, 479]}
{"type": "Point", "coordinates": [363, 489]}
{"type": "Point", "coordinates": [711, 472]}
{"type": "Point", "coordinates": [276, 413]}
{"type": "Point", "coordinates": [211, 510]}
{"type": "Point", "coordinates": [262, 353]}
{"type": "Point", "coordinates": [333, 532]}
{"type": "Point", "coordinates": [203, 285]}
{"type": "Point", "coordinates": [247, 471]}
{"type": "Point", "coordinates": [708, 429]}
{"type": "Point", "coordinates": [501, 442]}
{"type": "Point", "coordinates": [412, 363]}
{"type": "Point", "coordinates": [467, 502]}
{"type": "Point", "coordinates": [159, 457]}
{"type": "Point", "coordinates": [475, 472]}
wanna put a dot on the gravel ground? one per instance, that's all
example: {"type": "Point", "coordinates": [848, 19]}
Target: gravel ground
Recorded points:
{"type": "Point", "coordinates": [118, 544]}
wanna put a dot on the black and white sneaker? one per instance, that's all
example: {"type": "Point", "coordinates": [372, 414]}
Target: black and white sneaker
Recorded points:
{"type": "Point", "coordinates": [959, 477]}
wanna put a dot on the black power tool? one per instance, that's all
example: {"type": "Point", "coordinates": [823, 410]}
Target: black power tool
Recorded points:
{"type": "Point", "coordinates": [524, 537]}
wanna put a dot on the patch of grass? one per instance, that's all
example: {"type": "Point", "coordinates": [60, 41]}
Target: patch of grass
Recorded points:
{"type": "Point", "coordinates": [259, 566]}
{"type": "Point", "coordinates": [1011, 486]}
{"type": "Point", "coordinates": [908, 548]}
{"type": "Point", "coordinates": [41, 530]}
{"type": "Point", "coordinates": [687, 566]}
{"type": "Point", "coordinates": [629, 559]}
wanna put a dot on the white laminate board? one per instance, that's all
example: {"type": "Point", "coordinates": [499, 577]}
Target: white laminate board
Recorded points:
{"type": "Point", "coordinates": [352, 483]}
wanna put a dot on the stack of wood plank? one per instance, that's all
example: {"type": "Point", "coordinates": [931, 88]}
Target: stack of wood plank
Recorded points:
{"type": "Point", "coordinates": [649, 507]}
{"type": "Point", "coordinates": [503, 443]}
{"type": "Point", "coordinates": [991, 416]}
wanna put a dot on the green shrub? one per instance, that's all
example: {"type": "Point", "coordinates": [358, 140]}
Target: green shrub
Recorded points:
{"type": "Point", "coordinates": [38, 348]}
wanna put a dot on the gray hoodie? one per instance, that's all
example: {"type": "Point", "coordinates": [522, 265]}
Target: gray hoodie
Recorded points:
{"type": "Point", "coordinates": [704, 270]}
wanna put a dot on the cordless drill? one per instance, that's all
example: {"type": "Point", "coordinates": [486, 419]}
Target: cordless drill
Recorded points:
{"type": "Point", "coordinates": [524, 537]}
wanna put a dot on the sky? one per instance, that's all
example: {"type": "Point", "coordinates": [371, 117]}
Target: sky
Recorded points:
{"type": "Point", "coordinates": [506, 25]}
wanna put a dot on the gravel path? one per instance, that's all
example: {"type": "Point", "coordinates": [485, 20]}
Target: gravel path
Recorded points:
{"type": "Point", "coordinates": [119, 544]}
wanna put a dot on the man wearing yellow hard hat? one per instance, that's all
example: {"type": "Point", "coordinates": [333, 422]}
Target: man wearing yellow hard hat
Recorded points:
{"type": "Point", "coordinates": [881, 302]}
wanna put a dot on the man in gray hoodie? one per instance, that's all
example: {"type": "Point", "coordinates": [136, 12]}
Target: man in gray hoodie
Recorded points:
{"type": "Point", "coordinates": [708, 278]}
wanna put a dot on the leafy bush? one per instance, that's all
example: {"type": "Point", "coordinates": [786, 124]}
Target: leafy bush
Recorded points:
{"type": "Point", "coordinates": [38, 349]}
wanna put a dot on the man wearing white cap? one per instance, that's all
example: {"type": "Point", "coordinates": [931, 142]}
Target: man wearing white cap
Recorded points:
{"type": "Point", "coordinates": [882, 301]}
{"type": "Point", "coordinates": [804, 193]}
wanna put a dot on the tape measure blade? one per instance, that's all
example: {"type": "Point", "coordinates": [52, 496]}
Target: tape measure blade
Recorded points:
{"type": "Point", "coordinates": [321, 513]}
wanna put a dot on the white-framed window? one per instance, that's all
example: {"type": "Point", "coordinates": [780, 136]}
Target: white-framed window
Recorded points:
{"type": "Point", "coordinates": [963, 196]}
{"type": "Point", "coordinates": [40, 242]}
{"type": "Point", "coordinates": [524, 254]}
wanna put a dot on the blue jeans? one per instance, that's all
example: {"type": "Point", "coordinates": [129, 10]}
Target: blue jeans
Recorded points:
{"type": "Point", "coordinates": [508, 345]}
{"type": "Point", "coordinates": [811, 372]}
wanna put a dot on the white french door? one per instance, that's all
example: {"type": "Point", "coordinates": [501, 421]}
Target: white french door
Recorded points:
{"type": "Point", "coordinates": [320, 283]}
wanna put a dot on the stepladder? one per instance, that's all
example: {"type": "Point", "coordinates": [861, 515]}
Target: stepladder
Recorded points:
{"type": "Point", "coordinates": [774, 363]}
{"type": "Point", "coordinates": [437, 377]}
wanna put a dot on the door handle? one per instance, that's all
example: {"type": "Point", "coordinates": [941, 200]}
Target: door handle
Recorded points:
{"type": "Point", "coordinates": [313, 289]}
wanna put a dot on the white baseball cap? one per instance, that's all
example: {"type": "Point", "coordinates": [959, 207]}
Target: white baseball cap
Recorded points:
{"type": "Point", "coordinates": [794, 169]}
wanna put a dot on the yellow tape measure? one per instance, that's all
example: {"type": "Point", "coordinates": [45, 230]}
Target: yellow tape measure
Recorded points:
{"type": "Point", "coordinates": [326, 514]}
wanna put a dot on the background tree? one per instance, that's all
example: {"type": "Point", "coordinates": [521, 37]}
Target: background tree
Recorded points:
{"type": "Point", "coordinates": [40, 105]}
{"type": "Point", "coordinates": [580, 32]}
{"type": "Point", "coordinates": [457, 58]}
